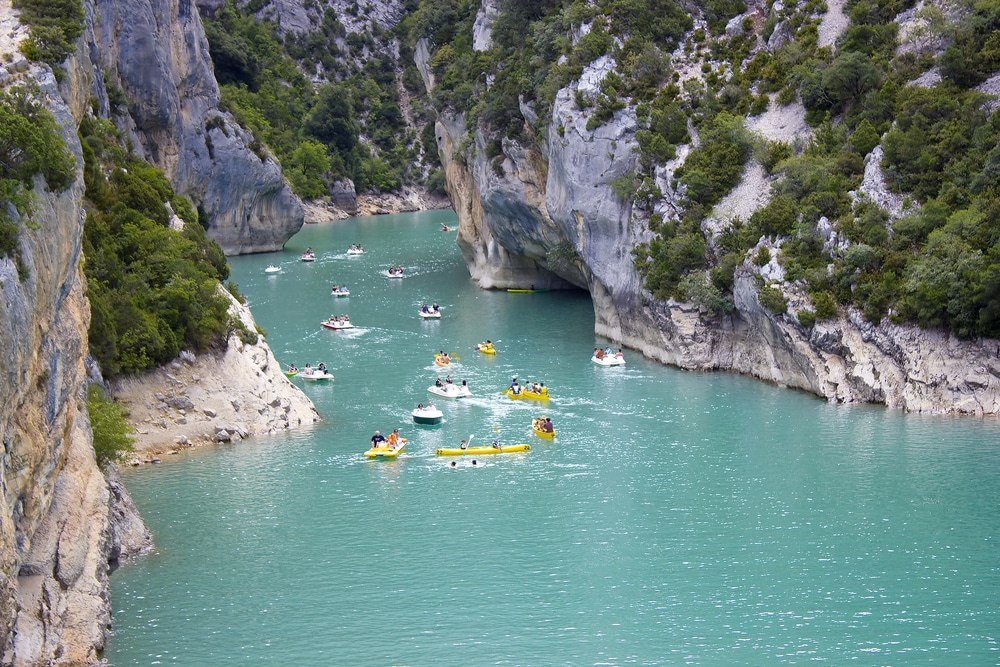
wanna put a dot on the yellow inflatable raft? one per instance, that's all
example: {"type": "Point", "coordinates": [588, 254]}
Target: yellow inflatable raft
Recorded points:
{"type": "Point", "coordinates": [525, 393]}
{"type": "Point", "coordinates": [482, 451]}
{"type": "Point", "coordinates": [385, 451]}
{"type": "Point", "coordinates": [536, 426]}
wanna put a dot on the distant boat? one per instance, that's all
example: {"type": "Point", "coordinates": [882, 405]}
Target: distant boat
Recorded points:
{"type": "Point", "coordinates": [271, 268]}
{"type": "Point", "coordinates": [308, 256]}
{"type": "Point", "coordinates": [526, 291]}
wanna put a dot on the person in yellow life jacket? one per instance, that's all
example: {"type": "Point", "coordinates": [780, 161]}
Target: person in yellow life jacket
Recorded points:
{"type": "Point", "coordinates": [393, 438]}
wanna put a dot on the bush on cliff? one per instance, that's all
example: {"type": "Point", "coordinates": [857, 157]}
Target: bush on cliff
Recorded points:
{"type": "Point", "coordinates": [55, 25]}
{"type": "Point", "coordinates": [30, 145]}
{"type": "Point", "coordinates": [153, 290]}
{"type": "Point", "coordinates": [112, 432]}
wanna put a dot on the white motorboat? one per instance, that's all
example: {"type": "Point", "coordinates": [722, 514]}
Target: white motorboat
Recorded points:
{"type": "Point", "coordinates": [271, 268]}
{"type": "Point", "coordinates": [337, 325]}
{"type": "Point", "coordinates": [609, 360]}
{"type": "Point", "coordinates": [431, 314]}
{"type": "Point", "coordinates": [427, 415]}
{"type": "Point", "coordinates": [341, 292]}
{"type": "Point", "coordinates": [314, 374]}
{"type": "Point", "coordinates": [450, 391]}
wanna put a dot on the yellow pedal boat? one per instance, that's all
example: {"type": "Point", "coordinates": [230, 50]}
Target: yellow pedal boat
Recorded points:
{"type": "Point", "coordinates": [525, 393]}
{"type": "Point", "coordinates": [385, 451]}
{"type": "Point", "coordinates": [536, 426]}
{"type": "Point", "coordinates": [482, 451]}
{"type": "Point", "coordinates": [486, 348]}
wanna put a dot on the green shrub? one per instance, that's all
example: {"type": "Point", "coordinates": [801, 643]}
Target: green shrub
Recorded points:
{"type": "Point", "coordinates": [763, 256]}
{"type": "Point", "coordinates": [54, 27]}
{"type": "Point", "coordinates": [807, 318]}
{"type": "Point", "coordinates": [112, 433]}
{"type": "Point", "coordinates": [825, 305]}
{"type": "Point", "coordinates": [773, 299]}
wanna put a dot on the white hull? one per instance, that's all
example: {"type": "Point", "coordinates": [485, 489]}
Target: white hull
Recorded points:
{"type": "Point", "coordinates": [450, 391]}
{"type": "Point", "coordinates": [609, 361]}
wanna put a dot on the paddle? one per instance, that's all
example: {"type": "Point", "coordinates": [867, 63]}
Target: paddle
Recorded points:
{"type": "Point", "coordinates": [454, 356]}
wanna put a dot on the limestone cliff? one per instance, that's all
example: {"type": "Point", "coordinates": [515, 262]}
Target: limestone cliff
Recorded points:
{"type": "Point", "coordinates": [157, 55]}
{"type": "Point", "coordinates": [546, 215]}
{"type": "Point", "coordinates": [63, 523]}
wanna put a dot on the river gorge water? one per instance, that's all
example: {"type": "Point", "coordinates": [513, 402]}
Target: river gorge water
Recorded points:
{"type": "Point", "coordinates": [676, 518]}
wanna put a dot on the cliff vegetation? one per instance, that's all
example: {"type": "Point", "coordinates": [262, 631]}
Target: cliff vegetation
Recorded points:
{"type": "Point", "coordinates": [692, 87]}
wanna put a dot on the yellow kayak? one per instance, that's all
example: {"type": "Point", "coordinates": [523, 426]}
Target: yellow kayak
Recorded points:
{"type": "Point", "coordinates": [384, 451]}
{"type": "Point", "coordinates": [479, 451]}
{"type": "Point", "coordinates": [442, 360]}
{"type": "Point", "coordinates": [540, 396]}
{"type": "Point", "coordinates": [486, 349]}
{"type": "Point", "coordinates": [536, 426]}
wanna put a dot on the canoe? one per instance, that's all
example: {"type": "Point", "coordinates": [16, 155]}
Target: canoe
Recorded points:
{"type": "Point", "coordinates": [431, 314]}
{"type": "Point", "coordinates": [337, 326]}
{"type": "Point", "coordinates": [525, 393]}
{"type": "Point", "coordinates": [428, 416]}
{"type": "Point", "coordinates": [482, 451]}
{"type": "Point", "coordinates": [536, 426]}
{"type": "Point", "coordinates": [384, 451]}
{"type": "Point", "coordinates": [450, 391]}
{"type": "Point", "coordinates": [315, 375]}
{"type": "Point", "coordinates": [526, 291]}
{"type": "Point", "coordinates": [485, 349]}
{"type": "Point", "coordinates": [609, 361]}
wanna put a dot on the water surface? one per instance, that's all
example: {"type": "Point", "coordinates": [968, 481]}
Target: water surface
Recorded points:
{"type": "Point", "coordinates": [677, 518]}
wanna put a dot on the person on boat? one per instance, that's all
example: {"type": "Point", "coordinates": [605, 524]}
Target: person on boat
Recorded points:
{"type": "Point", "coordinates": [443, 356]}
{"type": "Point", "coordinates": [608, 352]}
{"type": "Point", "coordinates": [377, 439]}
{"type": "Point", "coordinates": [321, 367]}
{"type": "Point", "coordinates": [434, 308]}
{"type": "Point", "coordinates": [308, 368]}
{"type": "Point", "coordinates": [598, 353]}
{"type": "Point", "coordinates": [423, 308]}
{"type": "Point", "coordinates": [464, 445]}
{"type": "Point", "coordinates": [420, 406]}
{"type": "Point", "coordinates": [393, 438]}
{"type": "Point", "coordinates": [515, 388]}
{"type": "Point", "coordinates": [430, 406]}
{"type": "Point", "coordinates": [535, 389]}
{"type": "Point", "coordinates": [445, 228]}
{"type": "Point", "coordinates": [292, 368]}
{"type": "Point", "coordinates": [547, 425]}
{"type": "Point", "coordinates": [465, 384]}
{"type": "Point", "coordinates": [447, 380]}
{"type": "Point", "coordinates": [619, 354]}
{"type": "Point", "coordinates": [438, 383]}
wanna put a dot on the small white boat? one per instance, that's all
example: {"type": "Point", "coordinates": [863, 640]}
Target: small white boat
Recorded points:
{"type": "Point", "coordinates": [308, 257]}
{"type": "Point", "coordinates": [427, 415]}
{"type": "Point", "coordinates": [271, 268]}
{"type": "Point", "coordinates": [609, 360]}
{"type": "Point", "coordinates": [450, 391]}
{"type": "Point", "coordinates": [355, 251]}
{"type": "Point", "coordinates": [337, 325]}
{"type": "Point", "coordinates": [431, 314]}
{"type": "Point", "coordinates": [313, 374]}
{"type": "Point", "coordinates": [394, 274]}
{"type": "Point", "coordinates": [340, 292]}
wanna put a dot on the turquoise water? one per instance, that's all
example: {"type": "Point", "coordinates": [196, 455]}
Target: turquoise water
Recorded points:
{"type": "Point", "coordinates": [676, 519]}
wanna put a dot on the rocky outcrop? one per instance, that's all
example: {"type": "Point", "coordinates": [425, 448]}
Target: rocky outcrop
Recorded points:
{"type": "Point", "coordinates": [157, 55]}
{"type": "Point", "coordinates": [546, 214]}
{"type": "Point", "coordinates": [221, 396]}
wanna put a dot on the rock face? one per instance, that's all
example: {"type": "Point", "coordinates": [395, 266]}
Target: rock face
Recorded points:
{"type": "Point", "coordinates": [240, 391]}
{"type": "Point", "coordinates": [547, 215]}
{"type": "Point", "coordinates": [55, 511]}
{"type": "Point", "coordinates": [157, 54]}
